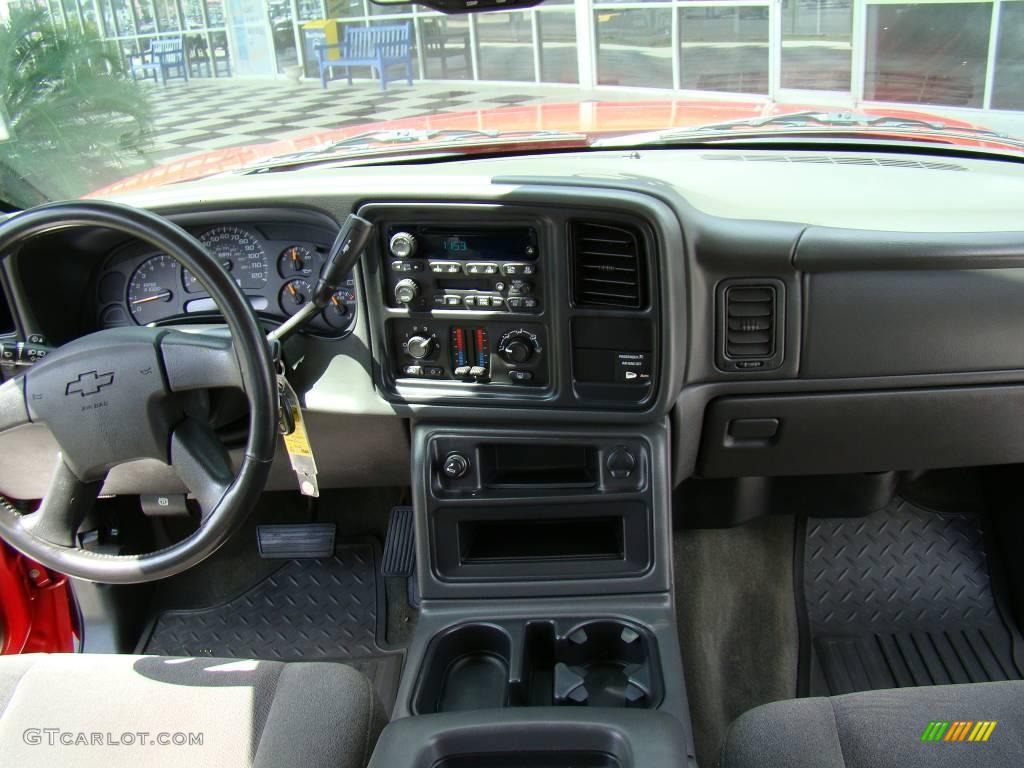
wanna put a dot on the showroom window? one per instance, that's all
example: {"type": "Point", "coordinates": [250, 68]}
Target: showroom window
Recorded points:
{"type": "Point", "coordinates": [927, 53]}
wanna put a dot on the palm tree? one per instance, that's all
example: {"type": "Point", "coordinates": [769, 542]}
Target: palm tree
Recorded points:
{"type": "Point", "coordinates": [76, 120]}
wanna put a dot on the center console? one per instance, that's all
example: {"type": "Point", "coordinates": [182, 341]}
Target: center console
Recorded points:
{"type": "Point", "coordinates": [547, 631]}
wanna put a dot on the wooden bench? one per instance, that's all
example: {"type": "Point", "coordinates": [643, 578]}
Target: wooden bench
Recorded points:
{"type": "Point", "coordinates": [377, 47]}
{"type": "Point", "coordinates": [165, 54]}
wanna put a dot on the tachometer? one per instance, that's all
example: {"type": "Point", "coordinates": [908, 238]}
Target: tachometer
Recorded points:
{"type": "Point", "coordinates": [239, 252]}
{"type": "Point", "coordinates": [152, 288]}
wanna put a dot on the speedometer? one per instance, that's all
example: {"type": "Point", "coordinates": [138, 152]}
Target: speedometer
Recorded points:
{"type": "Point", "coordinates": [240, 253]}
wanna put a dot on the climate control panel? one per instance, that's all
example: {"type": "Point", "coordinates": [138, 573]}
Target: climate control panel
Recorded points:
{"type": "Point", "coordinates": [475, 268]}
{"type": "Point", "coordinates": [472, 352]}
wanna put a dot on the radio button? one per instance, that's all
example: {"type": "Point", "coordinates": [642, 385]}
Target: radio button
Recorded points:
{"type": "Point", "coordinates": [521, 287]}
{"type": "Point", "coordinates": [519, 376]}
{"type": "Point", "coordinates": [529, 302]}
{"type": "Point", "coordinates": [445, 267]}
{"type": "Point", "coordinates": [517, 269]}
{"type": "Point", "coordinates": [481, 268]}
{"type": "Point", "coordinates": [470, 301]}
{"type": "Point", "coordinates": [407, 266]}
{"type": "Point", "coordinates": [452, 301]}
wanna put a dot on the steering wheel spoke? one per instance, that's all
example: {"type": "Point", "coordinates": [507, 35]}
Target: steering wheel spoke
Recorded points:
{"type": "Point", "coordinates": [13, 409]}
{"type": "Point", "coordinates": [202, 463]}
{"type": "Point", "coordinates": [66, 503]}
{"type": "Point", "coordinates": [199, 361]}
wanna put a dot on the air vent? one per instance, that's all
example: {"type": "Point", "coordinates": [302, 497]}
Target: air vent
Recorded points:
{"type": "Point", "coordinates": [607, 266]}
{"type": "Point", "coordinates": [750, 325]}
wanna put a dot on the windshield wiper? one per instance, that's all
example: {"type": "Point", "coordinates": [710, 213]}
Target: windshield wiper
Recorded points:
{"type": "Point", "coordinates": [409, 141]}
{"type": "Point", "coordinates": [808, 122]}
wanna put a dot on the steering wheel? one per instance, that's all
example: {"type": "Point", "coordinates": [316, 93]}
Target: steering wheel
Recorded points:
{"type": "Point", "coordinates": [131, 393]}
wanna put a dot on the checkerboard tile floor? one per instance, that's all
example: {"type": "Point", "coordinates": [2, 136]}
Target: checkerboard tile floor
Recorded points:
{"type": "Point", "coordinates": [203, 115]}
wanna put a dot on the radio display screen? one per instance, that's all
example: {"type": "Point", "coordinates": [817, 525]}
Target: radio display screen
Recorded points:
{"type": "Point", "coordinates": [478, 244]}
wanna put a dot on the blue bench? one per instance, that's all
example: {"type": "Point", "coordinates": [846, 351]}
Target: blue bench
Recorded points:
{"type": "Point", "coordinates": [165, 54]}
{"type": "Point", "coordinates": [376, 47]}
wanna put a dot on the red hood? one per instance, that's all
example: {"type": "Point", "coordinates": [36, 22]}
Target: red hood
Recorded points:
{"type": "Point", "coordinates": [588, 117]}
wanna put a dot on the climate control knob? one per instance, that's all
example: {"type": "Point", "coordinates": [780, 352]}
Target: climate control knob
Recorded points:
{"type": "Point", "coordinates": [402, 245]}
{"type": "Point", "coordinates": [517, 347]}
{"type": "Point", "coordinates": [406, 291]}
{"type": "Point", "coordinates": [419, 347]}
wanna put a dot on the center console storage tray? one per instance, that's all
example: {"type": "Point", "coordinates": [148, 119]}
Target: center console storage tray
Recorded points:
{"type": "Point", "coordinates": [602, 662]}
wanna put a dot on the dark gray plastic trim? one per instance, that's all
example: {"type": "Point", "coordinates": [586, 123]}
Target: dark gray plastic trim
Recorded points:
{"type": "Point", "coordinates": [636, 739]}
{"type": "Point", "coordinates": [912, 321]}
{"type": "Point", "coordinates": [867, 431]}
{"type": "Point", "coordinates": [656, 575]}
{"type": "Point", "coordinates": [832, 249]}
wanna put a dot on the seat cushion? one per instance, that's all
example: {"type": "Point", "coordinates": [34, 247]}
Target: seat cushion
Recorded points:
{"type": "Point", "coordinates": [116, 710]}
{"type": "Point", "coordinates": [878, 729]}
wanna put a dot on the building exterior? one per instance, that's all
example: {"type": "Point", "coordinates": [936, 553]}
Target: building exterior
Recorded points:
{"type": "Point", "coordinates": [966, 55]}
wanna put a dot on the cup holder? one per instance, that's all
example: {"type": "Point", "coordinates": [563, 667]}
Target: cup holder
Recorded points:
{"type": "Point", "coordinates": [604, 664]}
{"type": "Point", "coordinates": [598, 663]}
{"type": "Point", "coordinates": [467, 668]}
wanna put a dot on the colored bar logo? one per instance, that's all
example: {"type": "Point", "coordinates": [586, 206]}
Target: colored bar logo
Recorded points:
{"type": "Point", "coordinates": [958, 730]}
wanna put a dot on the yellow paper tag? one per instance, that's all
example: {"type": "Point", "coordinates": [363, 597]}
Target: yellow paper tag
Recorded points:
{"type": "Point", "coordinates": [297, 443]}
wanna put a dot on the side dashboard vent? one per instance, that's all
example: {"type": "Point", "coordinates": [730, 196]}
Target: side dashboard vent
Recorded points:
{"type": "Point", "coordinates": [607, 266]}
{"type": "Point", "coordinates": [750, 314]}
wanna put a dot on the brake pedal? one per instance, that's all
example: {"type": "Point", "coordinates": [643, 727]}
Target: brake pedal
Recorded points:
{"type": "Point", "coordinates": [400, 545]}
{"type": "Point", "coordinates": [295, 541]}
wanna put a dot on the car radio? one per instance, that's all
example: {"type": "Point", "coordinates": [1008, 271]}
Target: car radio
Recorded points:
{"type": "Point", "coordinates": [475, 268]}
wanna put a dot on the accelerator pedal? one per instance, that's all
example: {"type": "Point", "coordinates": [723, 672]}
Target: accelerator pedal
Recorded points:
{"type": "Point", "coordinates": [400, 544]}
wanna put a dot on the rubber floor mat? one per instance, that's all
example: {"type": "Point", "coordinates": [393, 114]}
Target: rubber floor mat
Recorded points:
{"type": "Point", "coordinates": [902, 597]}
{"type": "Point", "coordinates": [311, 610]}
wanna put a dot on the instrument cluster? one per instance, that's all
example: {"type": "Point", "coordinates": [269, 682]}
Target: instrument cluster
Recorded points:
{"type": "Point", "coordinates": [277, 275]}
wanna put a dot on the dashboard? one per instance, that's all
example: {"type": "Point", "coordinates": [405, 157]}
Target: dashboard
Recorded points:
{"type": "Point", "coordinates": [275, 265]}
{"type": "Point", "coordinates": [785, 312]}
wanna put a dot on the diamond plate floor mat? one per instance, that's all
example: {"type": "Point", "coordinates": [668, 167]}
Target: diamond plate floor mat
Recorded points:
{"type": "Point", "coordinates": [312, 609]}
{"type": "Point", "coordinates": [902, 597]}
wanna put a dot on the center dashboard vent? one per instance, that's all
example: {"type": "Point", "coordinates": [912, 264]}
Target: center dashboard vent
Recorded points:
{"type": "Point", "coordinates": [607, 265]}
{"type": "Point", "coordinates": [750, 325]}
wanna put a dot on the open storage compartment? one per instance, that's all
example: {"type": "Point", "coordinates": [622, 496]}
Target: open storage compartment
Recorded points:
{"type": "Point", "coordinates": [542, 541]}
{"type": "Point", "coordinates": [533, 663]}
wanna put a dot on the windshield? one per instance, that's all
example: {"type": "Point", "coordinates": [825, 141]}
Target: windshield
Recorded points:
{"type": "Point", "coordinates": [100, 97]}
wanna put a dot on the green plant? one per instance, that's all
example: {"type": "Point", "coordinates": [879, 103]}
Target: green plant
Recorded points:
{"type": "Point", "coordinates": [77, 121]}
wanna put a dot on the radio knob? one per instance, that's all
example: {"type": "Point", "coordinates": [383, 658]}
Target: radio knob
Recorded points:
{"type": "Point", "coordinates": [406, 291]}
{"type": "Point", "coordinates": [517, 349]}
{"type": "Point", "coordinates": [419, 347]}
{"type": "Point", "coordinates": [402, 244]}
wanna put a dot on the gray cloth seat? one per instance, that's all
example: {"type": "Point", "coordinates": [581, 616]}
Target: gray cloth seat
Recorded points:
{"type": "Point", "coordinates": [878, 729]}
{"type": "Point", "coordinates": [116, 710]}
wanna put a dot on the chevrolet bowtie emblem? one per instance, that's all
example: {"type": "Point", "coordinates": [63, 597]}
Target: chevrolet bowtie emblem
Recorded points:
{"type": "Point", "coordinates": [89, 383]}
